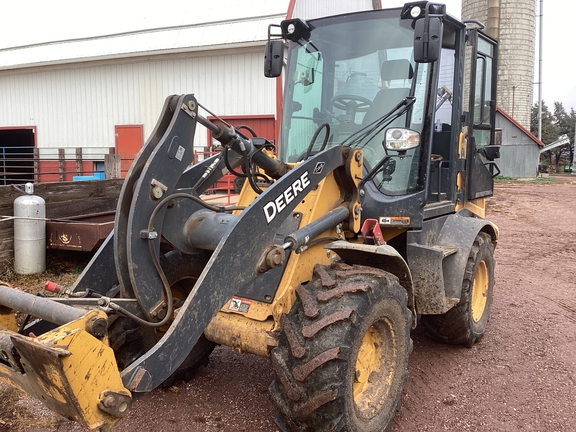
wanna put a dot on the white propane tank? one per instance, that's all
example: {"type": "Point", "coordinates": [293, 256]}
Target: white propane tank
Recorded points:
{"type": "Point", "coordinates": [29, 233]}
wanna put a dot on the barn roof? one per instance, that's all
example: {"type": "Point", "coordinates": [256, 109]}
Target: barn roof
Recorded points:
{"type": "Point", "coordinates": [519, 126]}
{"type": "Point", "coordinates": [214, 26]}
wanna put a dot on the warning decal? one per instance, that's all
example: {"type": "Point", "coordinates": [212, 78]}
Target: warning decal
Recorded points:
{"type": "Point", "coordinates": [239, 305]}
{"type": "Point", "coordinates": [394, 220]}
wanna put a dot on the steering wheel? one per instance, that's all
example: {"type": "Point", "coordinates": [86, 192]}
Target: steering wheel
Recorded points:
{"type": "Point", "coordinates": [343, 102]}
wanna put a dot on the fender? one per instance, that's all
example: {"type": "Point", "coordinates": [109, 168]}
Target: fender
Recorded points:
{"type": "Point", "coordinates": [384, 257]}
{"type": "Point", "coordinates": [459, 231]}
{"type": "Point", "coordinates": [438, 268]}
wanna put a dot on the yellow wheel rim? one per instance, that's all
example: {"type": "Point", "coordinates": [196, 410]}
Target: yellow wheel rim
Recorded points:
{"type": "Point", "coordinates": [374, 368]}
{"type": "Point", "coordinates": [480, 291]}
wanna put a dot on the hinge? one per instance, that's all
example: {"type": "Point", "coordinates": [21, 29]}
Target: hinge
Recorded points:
{"type": "Point", "coordinates": [460, 164]}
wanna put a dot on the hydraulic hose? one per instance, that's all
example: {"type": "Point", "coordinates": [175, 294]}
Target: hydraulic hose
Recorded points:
{"type": "Point", "coordinates": [156, 262]}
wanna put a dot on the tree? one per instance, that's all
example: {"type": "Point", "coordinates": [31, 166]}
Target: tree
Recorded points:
{"type": "Point", "coordinates": [573, 135]}
{"type": "Point", "coordinates": [565, 126]}
{"type": "Point", "coordinates": [549, 131]}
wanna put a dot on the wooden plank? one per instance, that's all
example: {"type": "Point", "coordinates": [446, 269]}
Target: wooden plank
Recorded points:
{"type": "Point", "coordinates": [61, 163]}
{"type": "Point", "coordinates": [6, 244]}
{"type": "Point", "coordinates": [79, 161]}
{"type": "Point", "coordinates": [36, 165]}
{"type": "Point", "coordinates": [63, 200]}
{"type": "Point", "coordinates": [112, 166]}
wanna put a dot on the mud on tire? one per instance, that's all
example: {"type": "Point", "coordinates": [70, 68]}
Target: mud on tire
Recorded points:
{"type": "Point", "coordinates": [466, 322]}
{"type": "Point", "coordinates": [342, 358]}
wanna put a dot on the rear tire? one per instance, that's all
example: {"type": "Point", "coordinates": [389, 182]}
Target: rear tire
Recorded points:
{"type": "Point", "coordinates": [342, 358]}
{"type": "Point", "coordinates": [466, 322]}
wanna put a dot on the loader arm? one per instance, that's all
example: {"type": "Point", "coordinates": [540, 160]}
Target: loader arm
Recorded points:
{"type": "Point", "coordinates": [159, 203]}
{"type": "Point", "coordinates": [230, 268]}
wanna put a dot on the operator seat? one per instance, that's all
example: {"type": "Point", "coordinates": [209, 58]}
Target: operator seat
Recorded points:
{"type": "Point", "coordinates": [387, 98]}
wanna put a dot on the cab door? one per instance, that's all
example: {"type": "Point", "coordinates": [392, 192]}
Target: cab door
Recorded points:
{"type": "Point", "coordinates": [481, 152]}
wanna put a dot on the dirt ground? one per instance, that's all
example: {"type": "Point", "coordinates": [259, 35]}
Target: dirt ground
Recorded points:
{"type": "Point", "coordinates": [520, 377]}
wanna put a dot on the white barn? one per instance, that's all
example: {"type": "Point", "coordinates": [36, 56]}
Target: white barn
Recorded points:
{"type": "Point", "coordinates": [107, 91]}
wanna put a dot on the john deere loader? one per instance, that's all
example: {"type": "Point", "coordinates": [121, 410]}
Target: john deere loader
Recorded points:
{"type": "Point", "coordinates": [366, 220]}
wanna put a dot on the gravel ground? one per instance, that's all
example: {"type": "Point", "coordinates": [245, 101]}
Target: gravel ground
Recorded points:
{"type": "Point", "coordinates": [520, 377]}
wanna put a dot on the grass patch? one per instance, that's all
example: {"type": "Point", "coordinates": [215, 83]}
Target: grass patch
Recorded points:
{"type": "Point", "coordinates": [537, 180]}
{"type": "Point", "coordinates": [544, 180]}
{"type": "Point", "coordinates": [62, 267]}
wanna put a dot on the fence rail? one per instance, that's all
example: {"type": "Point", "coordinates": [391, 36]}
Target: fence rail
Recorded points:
{"type": "Point", "coordinates": [26, 164]}
{"type": "Point", "coordinates": [64, 198]}
{"type": "Point", "coordinates": [48, 165]}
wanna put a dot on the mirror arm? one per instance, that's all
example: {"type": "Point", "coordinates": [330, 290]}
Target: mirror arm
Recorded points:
{"type": "Point", "coordinates": [374, 171]}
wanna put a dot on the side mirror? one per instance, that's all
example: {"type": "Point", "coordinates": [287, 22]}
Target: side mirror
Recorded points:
{"type": "Point", "coordinates": [273, 58]}
{"type": "Point", "coordinates": [491, 152]}
{"type": "Point", "coordinates": [427, 39]}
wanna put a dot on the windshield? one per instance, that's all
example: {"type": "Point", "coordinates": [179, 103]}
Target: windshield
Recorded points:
{"type": "Point", "coordinates": [354, 78]}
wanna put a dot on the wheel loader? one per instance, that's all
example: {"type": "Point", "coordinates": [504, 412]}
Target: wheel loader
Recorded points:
{"type": "Point", "coordinates": [365, 221]}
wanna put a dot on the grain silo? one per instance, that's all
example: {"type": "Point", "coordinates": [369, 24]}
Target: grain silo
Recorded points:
{"type": "Point", "coordinates": [513, 23]}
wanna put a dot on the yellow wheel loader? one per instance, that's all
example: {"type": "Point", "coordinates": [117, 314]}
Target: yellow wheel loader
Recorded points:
{"type": "Point", "coordinates": [368, 218]}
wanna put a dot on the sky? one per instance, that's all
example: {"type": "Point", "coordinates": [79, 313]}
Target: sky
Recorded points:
{"type": "Point", "coordinates": [32, 21]}
{"type": "Point", "coordinates": [558, 62]}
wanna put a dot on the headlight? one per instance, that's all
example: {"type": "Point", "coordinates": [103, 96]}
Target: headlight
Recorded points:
{"type": "Point", "coordinates": [415, 12]}
{"type": "Point", "coordinates": [401, 139]}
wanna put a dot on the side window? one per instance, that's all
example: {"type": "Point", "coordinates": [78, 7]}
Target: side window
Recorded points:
{"type": "Point", "coordinates": [439, 188]}
{"type": "Point", "coordinates": [483, 94]}
{"type": "Point", "coordinates": [478, 87]}
{"type": "Point", "coordinates": [445, 87]}
{"type": "Point", "coordinates": [306, 81]}
{"type": "Point", "coordinates": [483, 90]}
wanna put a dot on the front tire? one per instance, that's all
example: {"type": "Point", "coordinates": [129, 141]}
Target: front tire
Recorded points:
{"type": "Point", "coordinates": [130, 341]}
{"type": "Point", "coordinates": [466, 322]}
{"type": "Point", "coordinates": [342, 358]}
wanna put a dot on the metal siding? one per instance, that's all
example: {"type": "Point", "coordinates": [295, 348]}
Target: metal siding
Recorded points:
{"type": "Point", "coordinates": [519, 154]}
{"type": "Point", "coordinates": [309, 9]}
{"type": "Point", "coordinates": [79, 107]}
{"type": "Point", "coordinates": [518, 161]}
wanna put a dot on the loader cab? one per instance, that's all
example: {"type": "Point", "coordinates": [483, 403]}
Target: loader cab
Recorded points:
{"type": "Point", "coordinates": [421, 110]}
